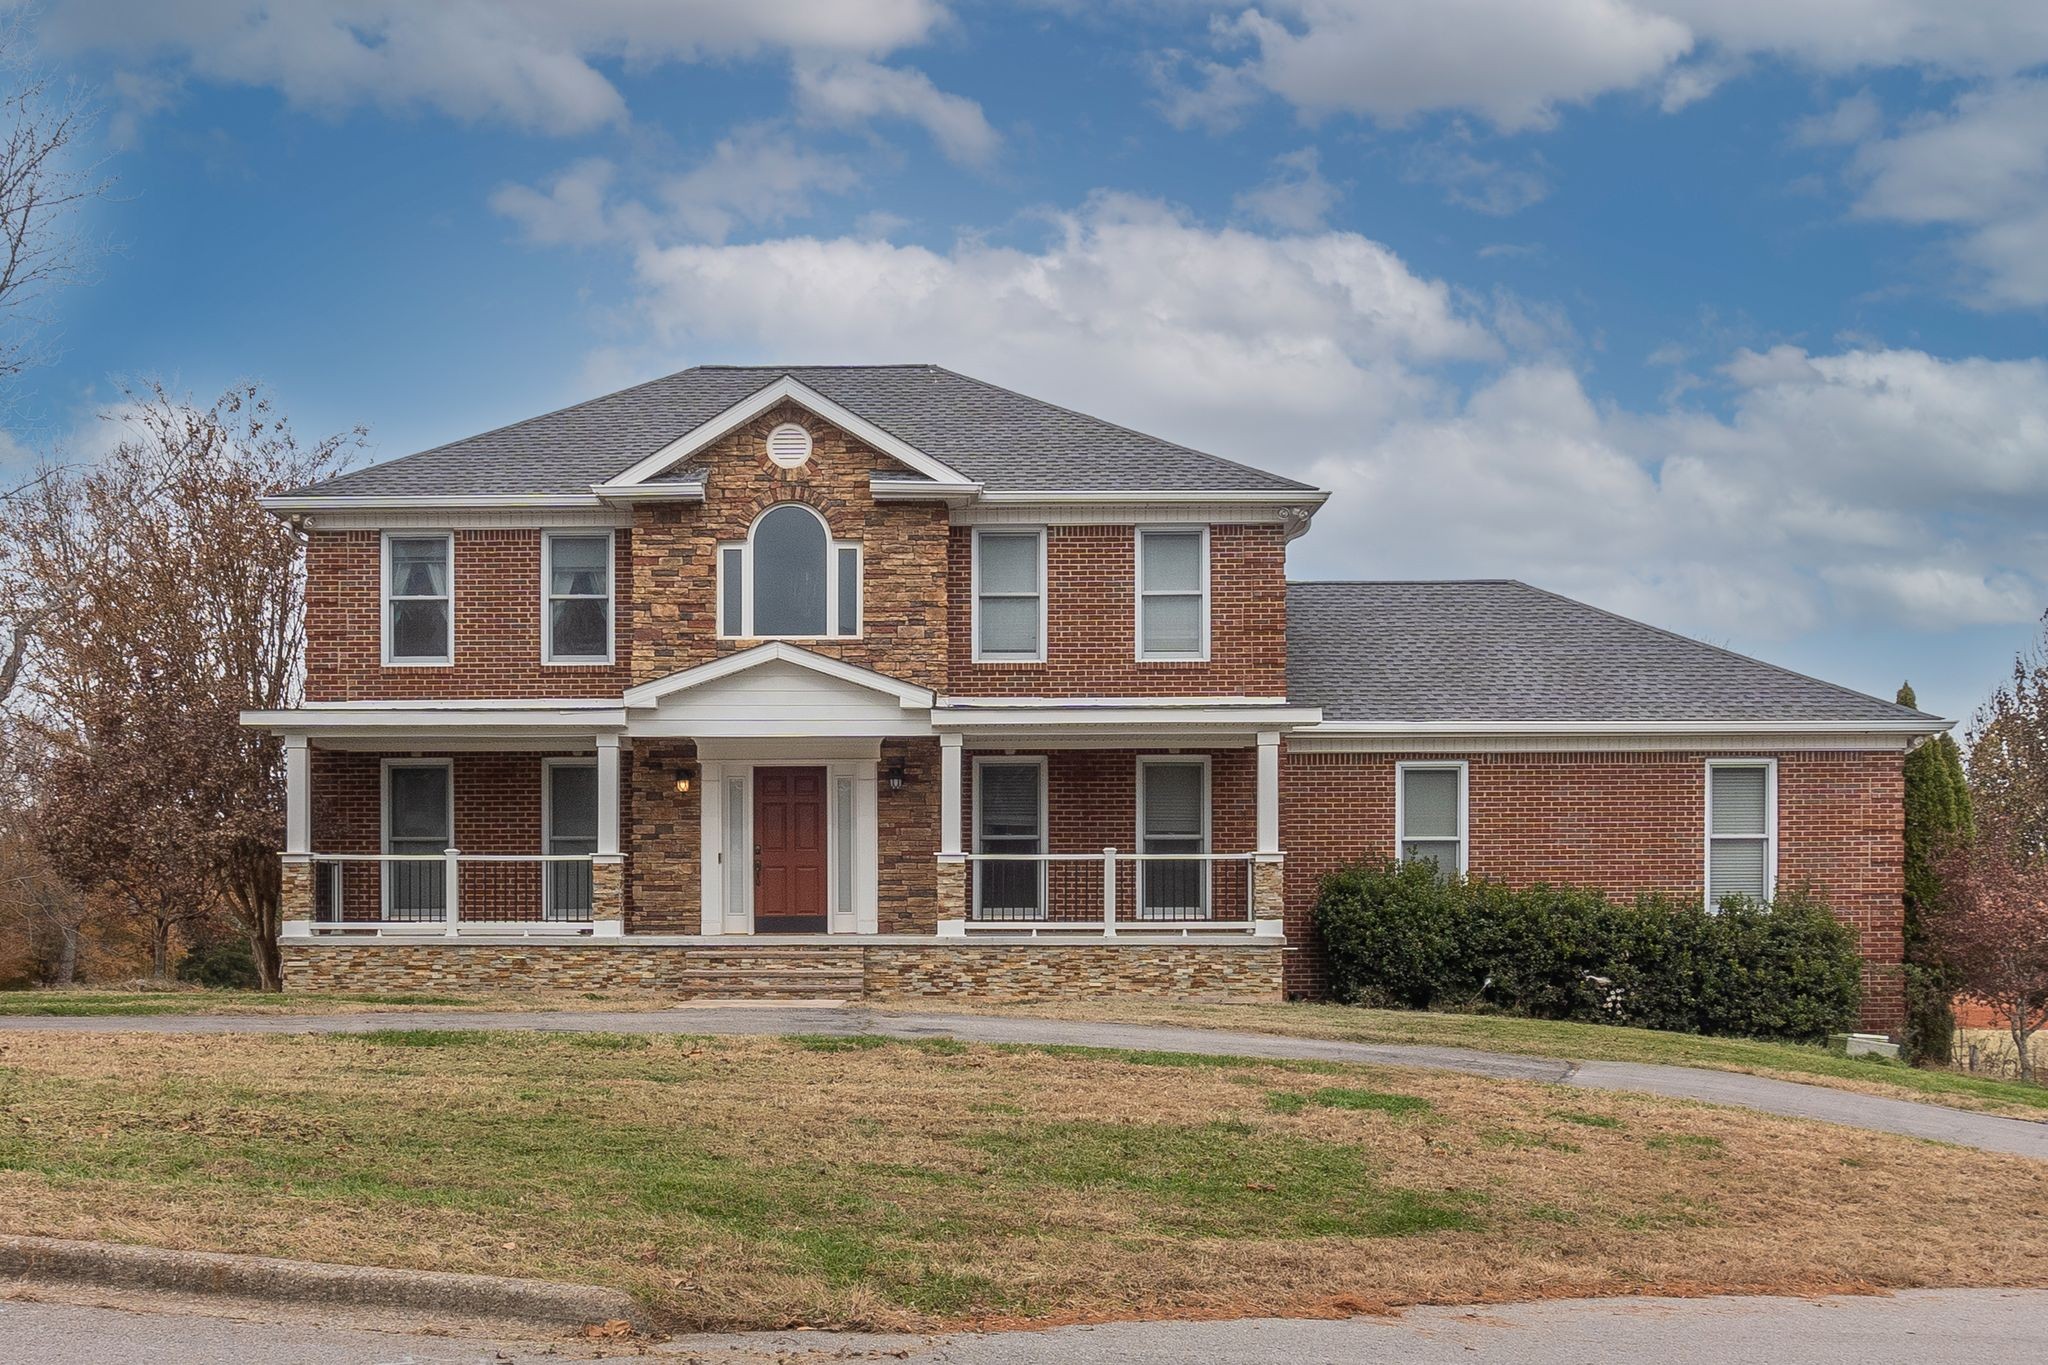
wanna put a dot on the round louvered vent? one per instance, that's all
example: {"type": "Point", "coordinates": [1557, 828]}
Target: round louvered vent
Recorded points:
{"type": "Point", "coordinates": [789, 445]}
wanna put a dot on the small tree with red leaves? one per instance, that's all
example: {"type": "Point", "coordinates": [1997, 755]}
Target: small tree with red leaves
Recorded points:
{"type": "Point", "coordinates": [1993, 929]}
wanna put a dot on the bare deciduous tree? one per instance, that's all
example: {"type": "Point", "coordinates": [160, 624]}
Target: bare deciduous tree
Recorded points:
{"type": "Point", "coordinates": [42, 185]}
{"type": "Point", "coordinates": [183, 606]}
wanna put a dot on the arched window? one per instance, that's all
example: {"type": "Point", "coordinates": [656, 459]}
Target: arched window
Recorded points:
{"type": "Point", "coordinates": [789, 579]}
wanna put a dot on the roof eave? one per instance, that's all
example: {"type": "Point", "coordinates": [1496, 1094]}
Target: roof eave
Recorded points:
{"type": "Point", "coordinates": [1913, 725]}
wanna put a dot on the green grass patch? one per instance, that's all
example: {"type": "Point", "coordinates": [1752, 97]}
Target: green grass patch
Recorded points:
{"type": "Point", "coordinates": [1226, 1179]}
{"type": "Point", "coordinates": [834, 1042]}
{"type": "Point", "coordinates": [1585, 1120]}
{"type": "Point", "coordinates": [1687, 1144]}
{"type": "Point", "coordinates": [420, 1037]}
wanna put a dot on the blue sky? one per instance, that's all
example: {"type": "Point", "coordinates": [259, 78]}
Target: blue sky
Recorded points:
{"type": "Point", "coordinates": [1722, 313]}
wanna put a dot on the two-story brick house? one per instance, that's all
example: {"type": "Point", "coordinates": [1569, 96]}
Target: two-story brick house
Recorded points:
{"type": "Point", "coordinates": [884, 679]}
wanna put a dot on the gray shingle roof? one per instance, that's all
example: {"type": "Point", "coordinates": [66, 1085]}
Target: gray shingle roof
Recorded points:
{"type": "Point", "coordinates": [1001, 439]}
{"type": "Point", "coordinates": [1502, 651]}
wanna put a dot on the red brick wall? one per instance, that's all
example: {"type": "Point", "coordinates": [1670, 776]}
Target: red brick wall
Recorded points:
{"type": "Point", "coordinates": [1092, 804]}
{"type": "Point", "coordinates": [1622, 822]}
{"type": "Point", "coordinates": [497, 810]}
{"type": "Point", "coordinates": [1091, 642]}
{"type": "Point", "coordinates": [497, 623]}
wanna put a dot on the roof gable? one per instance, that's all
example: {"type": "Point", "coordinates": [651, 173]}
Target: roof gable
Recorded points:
{"type": "Point", "coordinates": [787, 389]}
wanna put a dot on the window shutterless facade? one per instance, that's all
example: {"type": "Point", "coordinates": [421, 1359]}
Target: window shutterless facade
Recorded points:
{"type": "Point", "coordinates": [789, 580]}
{"type": "Point", "coordinates": [419, 819]}
{"type": "Point", "coordinates": [1173, 817]}
{"type": "Point", "coordinates": [1010, 818]}
{"type": "Point", "coordinates": [576, 597]}
{"type": "Point", "coordinates": [419, 598]}
{"type": "Point", "coordinates": [1173, 592]}
{"type": "Point", "coordinates": [1429, 814]}
{"type": "Point", "coordinates": [568, 827]}
{"type": "Point", "coordinates": [1742, 829]}
{"type": "Point", "coordinates": [1009, 595]}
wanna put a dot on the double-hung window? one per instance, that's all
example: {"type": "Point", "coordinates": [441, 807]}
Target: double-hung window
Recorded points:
{"type": "Point", "coordinates": [1009, 819]}
{"type": "Point", "coordinates": [576, 624]}
{"type": "Point", "coordinates": [1173, 593]}
{"type": "Point", "coordinates": [419, 598]}
{"type": "Point", "coordinates": [1430, 814]}
{"type": "Point", "coordinates": [419, 820]}
{"type": "Point", "coordinates": [569, 829]}
{"type": "Point", "coordinates": [1173, 817]}
{"type": "Point", "coordinates": [1009, 595]}
{"type": "Point", "coordinates": [1742, 829]}
{"type": "Point", "coordinates": [789, 579]}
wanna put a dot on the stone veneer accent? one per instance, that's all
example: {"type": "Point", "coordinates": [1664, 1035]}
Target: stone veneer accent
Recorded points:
{"type": "Point", "coordinates": [607, 890]}
{"type": "Point", "coordinates": [983, 971]}
{"type": "Point", "coordinates": [295, 892]}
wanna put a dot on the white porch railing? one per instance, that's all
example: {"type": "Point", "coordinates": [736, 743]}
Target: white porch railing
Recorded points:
{"type": "Point", "coordinates": [451, 892]}
{"type": "Point", "coordinates": [1109, 891]}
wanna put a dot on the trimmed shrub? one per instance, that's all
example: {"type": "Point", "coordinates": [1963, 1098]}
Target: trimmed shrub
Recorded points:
{"type": "Point", "coordinates": [1397, 935]}
{"type": "Point", "coordinates": [226, 965]}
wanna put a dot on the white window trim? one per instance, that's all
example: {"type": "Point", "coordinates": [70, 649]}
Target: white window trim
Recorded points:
{"type": "Point", "coordinates": [1138, 833]}
{"type": "Point", "coordinates": [1770, 767]}
{"type": "Point", "coordinates": [1463, 769]}
{"type": "Point", "coordinates": [384, 597]}
{"type": "Point", "coordinates": [547, 597]}
{"type": "Point", "coordinates": [548, 767]}
{"type": "Point", "coordinates": [981, 656]}
{"type": "Point", "coordinates": [832, 549]}
{"type": "Point", "coordinates": [1138, 596]}
{"type": "Point", "coordinates": [1044, 820]}
{"type": "Point", "coordinates": [384, 878]}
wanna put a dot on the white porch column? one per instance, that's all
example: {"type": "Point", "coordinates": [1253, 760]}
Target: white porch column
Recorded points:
{"type": "Point", "coordinates": [1269, 792]}
{"type": "Point", "coordinates": [607, 794]}
{"type": "Point", "coordinates": [950, 790]}
{"type": "Point", "coordinates": [298, 795]}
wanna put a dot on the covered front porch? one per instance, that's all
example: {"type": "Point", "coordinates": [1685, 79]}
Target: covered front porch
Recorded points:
{"type": "Point", "coordinates": [778, 797]}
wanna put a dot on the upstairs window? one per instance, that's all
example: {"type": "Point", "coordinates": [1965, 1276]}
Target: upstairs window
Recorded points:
{"type": "Point", "coordinates": [1173, 594]}
{"type": "Point", "coordinates": [789, 579]}
{"type": "Point", "coordinates": [1009, 596]}
{"type": "Point", "coordinates": [577, 624]}
{"type": "Point", "coordinates": [1429, 812]}
{"type": "Point", "coordinates": [419, 599]}
{"type": "Point", "coordinates": [1742, 829]}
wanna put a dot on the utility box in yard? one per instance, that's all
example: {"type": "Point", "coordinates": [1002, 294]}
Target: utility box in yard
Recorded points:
{"type": "Point", "coordinates": [1862, 1045]}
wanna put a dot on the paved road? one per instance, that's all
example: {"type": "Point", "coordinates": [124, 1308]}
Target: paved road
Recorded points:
{"type": "Point", "coordinates": [2021, 1137]}
{"type": "Point", "coordinates": [1932, 1327]}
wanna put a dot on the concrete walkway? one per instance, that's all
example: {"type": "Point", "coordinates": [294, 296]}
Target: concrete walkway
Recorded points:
{"type": "Point", "coordinates": [1987, 1132]}
{"type": "Point", "coordinates": [1930, 1327]}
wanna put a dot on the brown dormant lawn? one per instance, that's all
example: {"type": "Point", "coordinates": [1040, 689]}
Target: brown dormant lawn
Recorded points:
{"type": "Point", "coordinates": [1551, 1038]}
{"type": "Point", "coordinates": [855, 1182]}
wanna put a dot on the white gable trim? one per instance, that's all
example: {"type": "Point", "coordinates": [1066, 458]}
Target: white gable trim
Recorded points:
{"type": "Point", "coordinates": [787, 389]}
{"type": "Point", "coordinates": [650, 694]}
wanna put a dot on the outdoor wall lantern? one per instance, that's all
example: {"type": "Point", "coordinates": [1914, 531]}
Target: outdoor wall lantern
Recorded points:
{"type": "Point", "coordinates": [683, 776]}
{"type": "Point", "coordinates": [896, 774]}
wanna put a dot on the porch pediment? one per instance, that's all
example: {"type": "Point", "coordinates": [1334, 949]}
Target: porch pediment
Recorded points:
{"type": "Point", "coordinates": [778, 689]}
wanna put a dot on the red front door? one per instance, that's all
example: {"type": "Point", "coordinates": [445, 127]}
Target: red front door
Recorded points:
{"type": "Point", "coordinates": [789, 850]}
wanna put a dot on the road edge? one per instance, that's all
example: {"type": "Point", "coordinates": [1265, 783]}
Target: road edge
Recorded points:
{"type": "Point", "coordinates": [107, 1265]}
